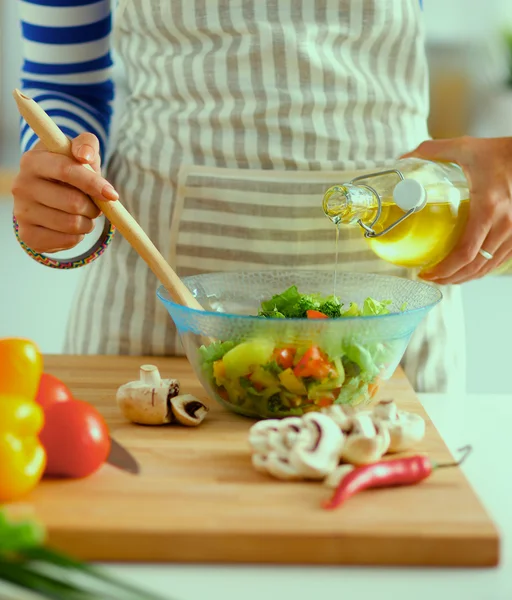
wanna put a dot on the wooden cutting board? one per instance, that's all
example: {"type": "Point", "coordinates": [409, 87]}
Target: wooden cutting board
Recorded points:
{"type": "Point", "coordinates": [198, 499]}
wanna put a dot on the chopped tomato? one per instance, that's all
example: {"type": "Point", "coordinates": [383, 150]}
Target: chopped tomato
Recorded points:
{"type": "Point", "coordinates": [316, 314]}
{"type": "Point", "coordinates": [284, 357]}
{"type": "Point", "coordinates": [326, 401]}
{"type": "Point", "coordinates": [331, 373]}
{"type": "Point", "coordinates": [313, 364]}
{"type": "Point", "coordinates": [223, 393]}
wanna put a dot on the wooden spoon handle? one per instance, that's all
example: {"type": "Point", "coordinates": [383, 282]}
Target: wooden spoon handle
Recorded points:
{"type": "Point", "coordinates": [55, 140]}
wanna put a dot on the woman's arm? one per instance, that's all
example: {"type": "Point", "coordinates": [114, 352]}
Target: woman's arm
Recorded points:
{"type": "Point", "coordinates": [67, 65]}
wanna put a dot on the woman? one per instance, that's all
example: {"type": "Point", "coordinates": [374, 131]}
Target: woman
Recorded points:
{"type": "Point", "coordinates": [237, 118]}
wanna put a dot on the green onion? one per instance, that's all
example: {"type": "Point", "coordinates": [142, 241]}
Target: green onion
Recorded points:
{"type": "Point", "coordinates": [28, 565]}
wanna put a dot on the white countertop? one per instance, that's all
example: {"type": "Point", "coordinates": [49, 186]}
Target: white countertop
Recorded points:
{"type": "Point", "coordinates": [487, 426]}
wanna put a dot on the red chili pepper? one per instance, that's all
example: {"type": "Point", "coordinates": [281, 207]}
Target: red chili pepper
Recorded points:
{"type": "Point", "coordinates": [387, 473]}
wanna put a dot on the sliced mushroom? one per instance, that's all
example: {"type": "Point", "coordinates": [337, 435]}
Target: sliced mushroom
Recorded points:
{"type": "Point", "coordinates": [293, 432]}
{"type": "Point", "coordinates": [147, 401]}
{"type": "Point", "coordinates": [341, 415]}
{"type": "Point", "coordinates": [270, 442]}
{"type": "Point", "coordinates": [263, 435]}
{"type": "Point", "coordinates": [406, 429]}
{"type": "Point", "coordinates": [386, 410]}
{"type": "Point", "coordinates": [188, 410]}
{"type": "Point", "coordinates": [259, 462]}
{"type": "Point", "coordinates": [336, 477]}
{"type": "Point", "coordinates": [366, 442]}
{"type": "Point", "coordinates": [279, 466]}
{"type": "Point", "coordinates": [317, 454]}
{"type": "Point", "coordinates": [305, 447]}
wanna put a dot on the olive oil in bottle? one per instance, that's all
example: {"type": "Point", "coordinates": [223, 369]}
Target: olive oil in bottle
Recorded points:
{"type": "Point", "coordinates": [412, 215]}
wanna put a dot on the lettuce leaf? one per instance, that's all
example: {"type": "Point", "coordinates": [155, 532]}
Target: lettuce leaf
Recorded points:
{"type": "Point", "coordinates": [215, 351]}
{"type": "Point", "coordinates": [363, 358]}
{"type": "Point", "coordinates": [285, 304]}
{"type": "Point", "coordinates": [211, 353]}
{"type": "Point", "coordinates": [291, 304]}
{"type": "Point", "coordinates": [373, 307]}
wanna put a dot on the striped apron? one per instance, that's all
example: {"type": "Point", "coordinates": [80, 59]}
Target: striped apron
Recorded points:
{"type": "Point", "coordinates": [238, 116]}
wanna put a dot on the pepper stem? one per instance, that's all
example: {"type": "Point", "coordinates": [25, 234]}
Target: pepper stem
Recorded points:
{"type": "Point", "coordinates": [465, 450]}
{"type": "Point", "coordinates": [149, 374]}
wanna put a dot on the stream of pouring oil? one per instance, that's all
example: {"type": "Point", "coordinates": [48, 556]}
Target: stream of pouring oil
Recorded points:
{"type": "Point", "coordinates": [336, 257]}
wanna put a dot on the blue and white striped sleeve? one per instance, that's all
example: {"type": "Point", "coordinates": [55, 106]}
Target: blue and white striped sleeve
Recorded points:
{"type": "Point", "coordinates": [67, 65]}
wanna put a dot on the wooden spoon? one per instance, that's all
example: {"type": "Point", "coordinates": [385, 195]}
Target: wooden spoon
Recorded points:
{"type": "Point", "coordinates": [55, 141]}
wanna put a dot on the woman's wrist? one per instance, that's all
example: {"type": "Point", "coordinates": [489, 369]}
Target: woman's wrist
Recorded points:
{"type": "Point", "coordinates": [70, 263]}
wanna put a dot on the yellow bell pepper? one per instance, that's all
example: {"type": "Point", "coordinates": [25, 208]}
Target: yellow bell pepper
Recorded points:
{"type": "Point", "coordinates": [22, 456]}
{"type": "Point", "coordinates": [21, 367]}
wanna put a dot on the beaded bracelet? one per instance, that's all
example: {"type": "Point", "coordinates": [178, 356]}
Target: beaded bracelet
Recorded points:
{"type": "Point", "coordinates": [83, 259]}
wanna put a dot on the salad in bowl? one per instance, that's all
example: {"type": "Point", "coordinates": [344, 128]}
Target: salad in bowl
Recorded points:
{"type": "Point", "coordinates": [285, 346]}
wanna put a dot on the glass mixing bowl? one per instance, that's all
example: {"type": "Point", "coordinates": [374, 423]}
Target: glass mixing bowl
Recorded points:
{"type": "Point", "coordinates": [249, 363]}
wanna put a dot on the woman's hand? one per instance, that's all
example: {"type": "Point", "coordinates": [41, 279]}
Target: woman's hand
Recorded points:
{"type": "Point", "coordinates": [51, 202]}
{"type": "Point", "coordinates": [487, 164]}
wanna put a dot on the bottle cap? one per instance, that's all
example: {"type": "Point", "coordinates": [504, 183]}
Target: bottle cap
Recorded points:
{"type": "Point", "coordinates": [409, 194]}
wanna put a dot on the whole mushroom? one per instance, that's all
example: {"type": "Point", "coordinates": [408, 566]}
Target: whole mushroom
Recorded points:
{"type": "Point", "coordinates": [155, 401]}
{"type": "Point", "coordinates": [406, 429]}
{"type": "Point", "coordinates": [147, 401]}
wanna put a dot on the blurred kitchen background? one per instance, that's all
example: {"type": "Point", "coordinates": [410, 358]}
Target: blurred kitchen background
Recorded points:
{"type": "Point", "coordinates": [471, 93]}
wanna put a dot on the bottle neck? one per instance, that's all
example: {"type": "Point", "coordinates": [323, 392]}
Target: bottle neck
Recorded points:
{"type": "Point", "coordinates": [348, 204]}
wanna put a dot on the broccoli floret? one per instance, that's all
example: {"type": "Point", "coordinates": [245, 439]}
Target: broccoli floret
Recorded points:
{"type": "Point", "coordinates": [274, 404]}
{"type": "Point", "coordinates": [331, 308]}
{"type": "Point", "coordinates": [305, 303]}
{"type": "Point", "coordinates": [272, 367]}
